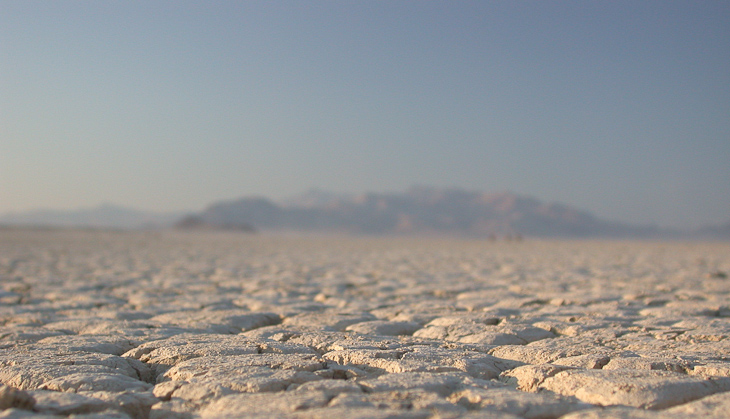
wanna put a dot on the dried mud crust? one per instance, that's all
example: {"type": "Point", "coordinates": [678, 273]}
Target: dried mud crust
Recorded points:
{"type": "Point", "coordinates": [169, 325]}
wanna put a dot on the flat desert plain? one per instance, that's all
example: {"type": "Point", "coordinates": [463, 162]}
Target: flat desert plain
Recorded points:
{"type": "Point", "coordinates": [178, 325]}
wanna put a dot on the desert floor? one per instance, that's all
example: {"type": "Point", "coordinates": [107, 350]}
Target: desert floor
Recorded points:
{"type": "Point", "coordinates": [158, 325]}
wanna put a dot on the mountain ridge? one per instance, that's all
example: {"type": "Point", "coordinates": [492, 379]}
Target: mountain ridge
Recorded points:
{"type": "Point", "coordinates": [421, 210]}
{"type": "Point", "coordinates": [417, 210]}
{"type": "Point", "coordinates": [101, 216]}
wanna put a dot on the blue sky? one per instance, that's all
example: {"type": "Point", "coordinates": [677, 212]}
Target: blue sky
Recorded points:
{"type": "Point", "coordinates": [621, 108]}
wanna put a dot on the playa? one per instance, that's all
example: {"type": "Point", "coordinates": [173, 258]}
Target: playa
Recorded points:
{"type": "Point", "coordinates": [218, 325]}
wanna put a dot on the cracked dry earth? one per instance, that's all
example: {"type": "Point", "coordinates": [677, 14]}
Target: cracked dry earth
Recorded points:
{"type": "Point", "coordinates": [172, 325]}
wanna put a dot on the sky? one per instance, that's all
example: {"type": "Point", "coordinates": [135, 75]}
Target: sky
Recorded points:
{"type": "Point", "coordinates": [620, 108]}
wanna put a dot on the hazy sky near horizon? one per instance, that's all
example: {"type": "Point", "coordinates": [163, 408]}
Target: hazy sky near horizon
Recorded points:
{"type": "Point", "coordinates": [621, 108]}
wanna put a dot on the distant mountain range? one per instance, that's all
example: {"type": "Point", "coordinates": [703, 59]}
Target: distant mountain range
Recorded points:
{"type": "Point", "coordinates": [103, 216]}
{"type": "Point", "coordinates": [420, 210]}
{"type": "Point", "coordinates": [721, 232]}
{"type": "Point", "coordinates": [417, 211]}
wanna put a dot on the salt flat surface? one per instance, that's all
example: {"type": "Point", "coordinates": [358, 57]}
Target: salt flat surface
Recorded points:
{"type": "Point", "coordinates": [172, 325]}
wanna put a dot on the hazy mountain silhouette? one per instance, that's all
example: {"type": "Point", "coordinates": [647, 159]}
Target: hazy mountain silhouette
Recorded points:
{"type": "Point", "coordinates": [316, 198]}
{"type": "Point", "coordinates": [717, 232]}
{"type": "Point", "coordinates": [420, 210]}
{"type": "Point", "coordinates": [103, 216]}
